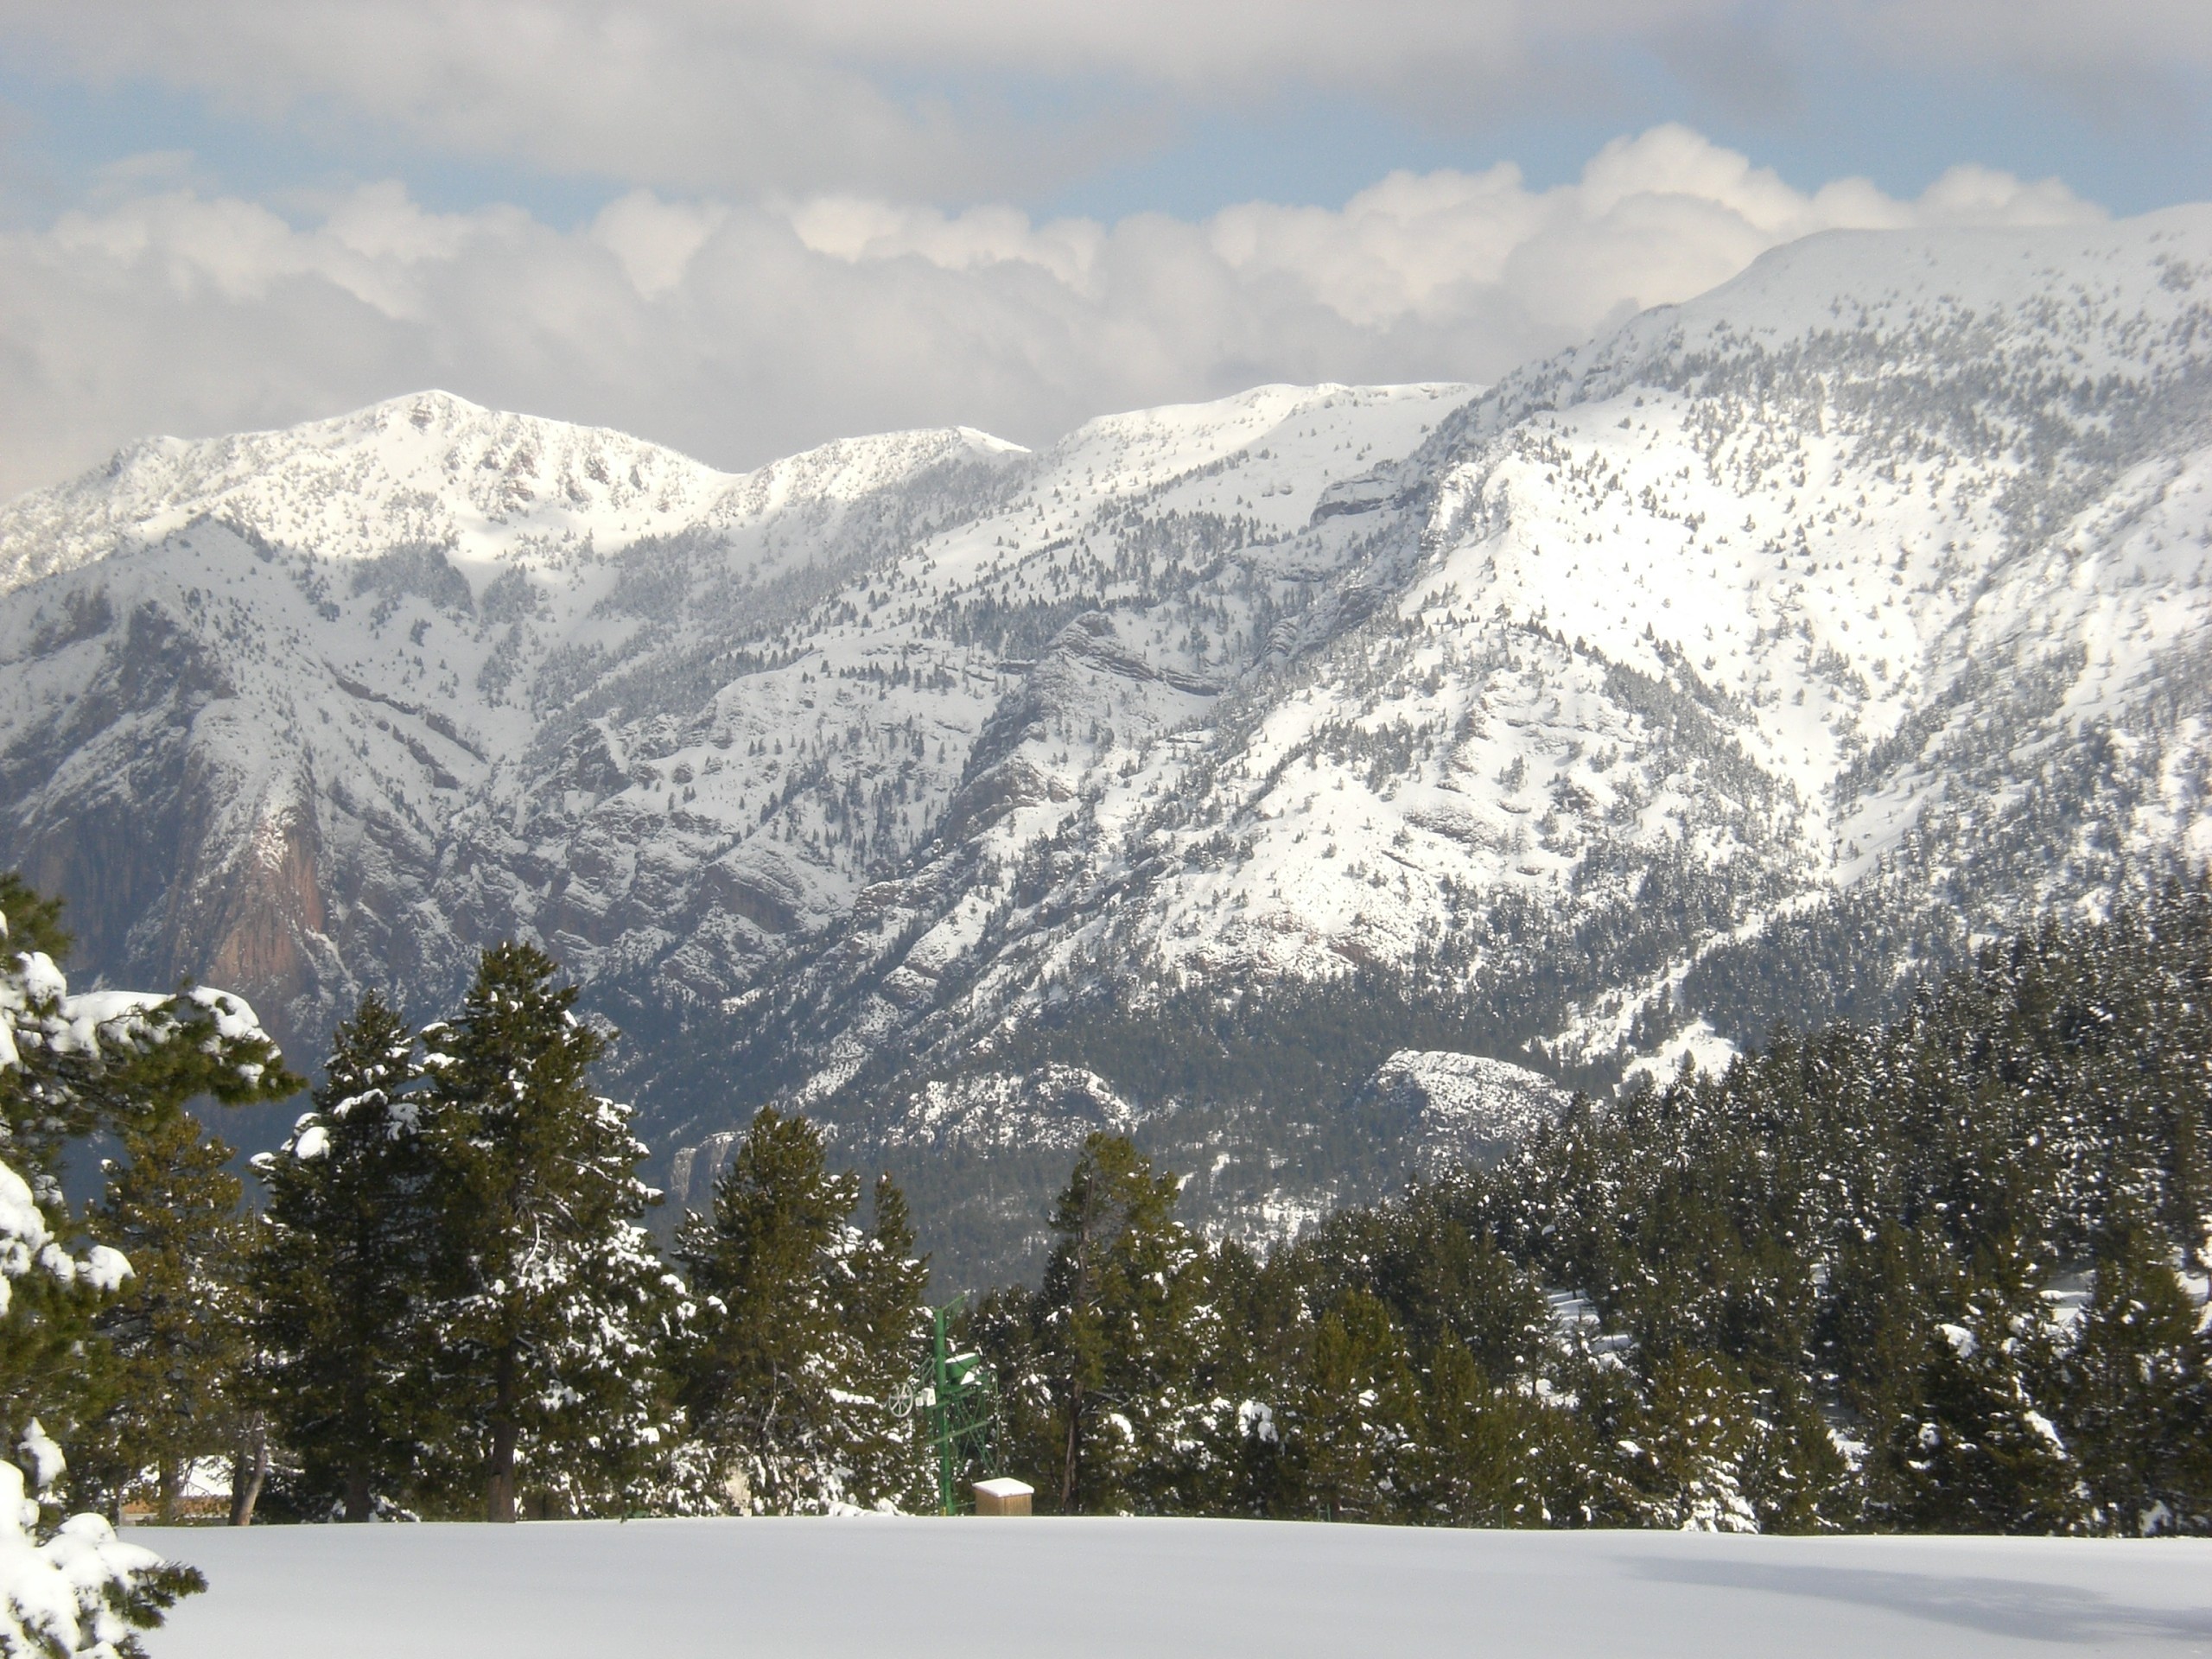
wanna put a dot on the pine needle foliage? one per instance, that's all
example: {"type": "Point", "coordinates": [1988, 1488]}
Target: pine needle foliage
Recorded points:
{"type": "Point", "coordinates": [551, 1309]}
{"type": "Point", "coordinates": [178, 1333]}
{"type": "Point", "coordinates": [343, 1270]}
{"type": "Point", "coordinates": [808, 1326]}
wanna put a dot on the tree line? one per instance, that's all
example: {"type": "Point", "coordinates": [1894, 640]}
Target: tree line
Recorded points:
{"type": "Point", "coordinates": [1947, 1274]}
{"type": "Point", "coordinates": [1943, 1273]}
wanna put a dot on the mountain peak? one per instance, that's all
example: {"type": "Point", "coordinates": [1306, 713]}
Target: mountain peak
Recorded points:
{"type": "Point", "coordinates": [1749, 662]}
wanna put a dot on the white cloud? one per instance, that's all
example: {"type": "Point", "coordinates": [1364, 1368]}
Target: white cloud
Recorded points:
{"type": "Point", "coordinates": [741, 331]}
{"type": "Point", "coordinates": [655, 240]}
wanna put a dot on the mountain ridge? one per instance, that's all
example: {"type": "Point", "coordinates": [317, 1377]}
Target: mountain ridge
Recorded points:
{"type": "Point", "coordinates": [1749, 662]}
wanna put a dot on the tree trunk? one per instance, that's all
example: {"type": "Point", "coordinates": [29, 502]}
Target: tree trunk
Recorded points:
{"type": "Point", "coordinates": [1078, 1300]}
{"type": "Point", "coordinates": [248, 1468]}
{"type": "Point", "coordinates": [359, 1504]}
{"type": "Point", "coordinates": [168, 1478]}
{"type": "Point", "coordinates": [1074, 1448]}
{"type": "Point", "coordinates": [499, 1488]}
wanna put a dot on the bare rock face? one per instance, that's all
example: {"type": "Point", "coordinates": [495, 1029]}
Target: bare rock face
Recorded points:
{"type": "Point", "coordinates": [1465, 1109]}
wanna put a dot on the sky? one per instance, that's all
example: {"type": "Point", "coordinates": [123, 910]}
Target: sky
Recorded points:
{"type": "Point", "coordinates": [741, 227]}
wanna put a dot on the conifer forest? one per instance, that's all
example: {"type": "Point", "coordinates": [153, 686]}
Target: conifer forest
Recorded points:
{"type": "Point", "coordinates": [1939, 1273]}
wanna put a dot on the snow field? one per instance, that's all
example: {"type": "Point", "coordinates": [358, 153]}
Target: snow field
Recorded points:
{"type": "Point", "coordinates": [1074, 1587]}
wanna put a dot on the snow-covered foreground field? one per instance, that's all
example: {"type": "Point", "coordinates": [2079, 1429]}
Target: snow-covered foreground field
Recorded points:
{"type": "Point", "coordinates": [921, 1587]}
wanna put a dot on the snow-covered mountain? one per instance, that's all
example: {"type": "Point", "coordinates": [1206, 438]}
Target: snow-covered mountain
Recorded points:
{"type": "Point", "coordinates": [320, 709]}
{"type": "Point", "coordinates": [1737, 666]}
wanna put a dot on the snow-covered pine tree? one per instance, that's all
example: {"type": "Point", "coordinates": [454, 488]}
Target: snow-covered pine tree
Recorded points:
{"type": "Point", "coordinates": [70, 1067]}
{"type": "Point", "coordinates": [342, 1269]}
{"type": "Point", "coordinates": [52, 1370]}
{"type": "Point", "coordinates": [1796, 1474]}
{"type": "Point", "coordinates": [1250, 1327]}
{"type": "Point", "coordinates": [2138, 1388]}
{"type": "Point", "coordinates": [1478, 1456]}
{"type": "Point", "coordinates": [67, 1586]}
{"type": "Point", "coordinates": [1687, 1445]}
{"type": "Point", "coordinates": [552, 1311]}
{"type": "Point", "coordinates": [1351, 1422]}
{"type": "Point", "coordinates": [886, 1316]}
{"type": "Point", "coordinates": [1884, 1292]}
{"type": "Point", "coordinates": [1978, 1452]}
{"type": "Point", "coordinates": [806, 1328]}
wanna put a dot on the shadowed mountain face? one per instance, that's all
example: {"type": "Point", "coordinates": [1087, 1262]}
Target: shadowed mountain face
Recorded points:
{"type": "Point", "coordinates": [1743, 665]}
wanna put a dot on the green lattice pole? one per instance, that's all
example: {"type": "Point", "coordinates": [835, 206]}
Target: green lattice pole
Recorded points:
{"type": "Point", "coordinates": [959, 1407]}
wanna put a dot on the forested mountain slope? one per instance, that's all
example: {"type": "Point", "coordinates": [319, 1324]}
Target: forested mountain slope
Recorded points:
{"type": "Point", "coordinates": [1743, 665]}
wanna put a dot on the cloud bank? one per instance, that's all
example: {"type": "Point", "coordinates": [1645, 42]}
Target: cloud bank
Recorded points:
{"type": "Point", "coordinates": [739, 330]}
{"type": "Point", "coordinates": [968, 99]}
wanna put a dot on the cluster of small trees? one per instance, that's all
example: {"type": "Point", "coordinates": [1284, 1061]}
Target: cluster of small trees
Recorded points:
{"type": "Point", "coordinates": [452, 1301]}
{"type": "Point", "coordinates": [456, 1309]}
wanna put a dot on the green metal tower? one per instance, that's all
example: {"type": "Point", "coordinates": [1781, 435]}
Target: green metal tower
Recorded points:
{"type": "Point", "coordinates": [958, 1405]}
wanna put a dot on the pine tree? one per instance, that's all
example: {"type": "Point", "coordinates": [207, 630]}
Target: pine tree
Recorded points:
{"type": "Point", "coordinates": [342, 1270]}
{"type": "Point", "coordinates": [1880, 1308]}
{"type": "Point", "coordinates": [1978, 1453]}
{"type": "Point", "coordinates": [68, 1069]}
{"type": "Point", "coordinates": [552, 1311]}
{"type": "Point", "coordinates": [179, 1331]}
{"type": "Point", "coordinates": [1116, 1333]}
{"type": "Point", "coordinates": [2137, 1387]}
{"type": "Point", "coordinates": [1796, 1476]}
{"type": "Point", "coordinates": [1350, 1426]}
{"type": "Point", "coordinates": [806, 1330]}
{"type": "Point", "coordinates": [1687, 1447]}
{"type": "Point", "coordinates": [1478, 1459]}
{"type": "Point", "coordinates": [886, 1319]}
{"type": "Point", "coordinates": [65, 1591]}
{"type": "Point", "coordinates": [62, 1080]}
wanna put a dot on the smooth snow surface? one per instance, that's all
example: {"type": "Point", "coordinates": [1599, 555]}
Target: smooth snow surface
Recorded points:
{"type": "Point", "coordinates": [922, 1587]}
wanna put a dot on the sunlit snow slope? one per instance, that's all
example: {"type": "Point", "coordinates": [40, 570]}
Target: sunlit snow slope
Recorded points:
{"type": "Point", "coordinates": [326, 709]}
{"type": "Point", "coordinates": [800, 1588]}
{"type": "Point", "coordinates": [1732, 669]}
{"type": "Point", "coordinates": [1740, 665]}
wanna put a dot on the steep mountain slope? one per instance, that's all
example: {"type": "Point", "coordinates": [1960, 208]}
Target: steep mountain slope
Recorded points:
{"type": "Point", "coordinates": [329, 708]}
{"type": "Point", "coordinates": [1738, 666]}
{"type": "Point", "coordinates": [282, 698]}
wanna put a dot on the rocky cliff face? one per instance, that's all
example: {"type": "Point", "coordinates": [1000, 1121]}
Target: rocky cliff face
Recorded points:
{"type": "Point", "coordinates": [1744, 664]}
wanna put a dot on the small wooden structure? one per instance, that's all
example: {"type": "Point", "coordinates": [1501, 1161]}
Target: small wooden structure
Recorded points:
{"type": "Point", "coordinates": [1002, 1496]}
